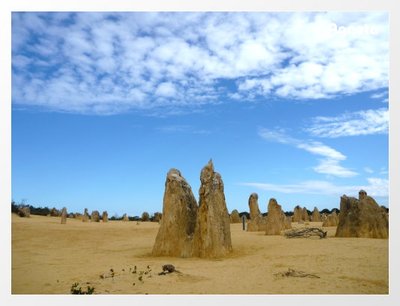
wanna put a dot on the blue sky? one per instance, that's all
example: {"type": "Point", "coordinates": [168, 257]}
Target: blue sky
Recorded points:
{"type": "Point", "coordinates": [289, 105]}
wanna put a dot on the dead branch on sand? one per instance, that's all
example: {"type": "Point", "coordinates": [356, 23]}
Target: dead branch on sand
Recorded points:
{"type": "Point", "coordinates": [305, 232]}
{"type": "Point", "coordinates": [294, 273]}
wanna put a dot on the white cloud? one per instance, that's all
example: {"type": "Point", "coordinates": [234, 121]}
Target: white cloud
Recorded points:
{"type": "Point", "coordinates": [375, 187]}
{"type": "Point", "coordinates": [277, 135]}
{"type": "Point", "coordinates": [291, 55]}
{"type": "Point", "coordinates": [368, 170]}
{"type": "Point", "coordinates": [188, 129]}
{"type": "Point", "coordinates": [367, 122]}
{"type": "Point", "coordinates": [331, 157]}
{"type": "Point", "coordinates": [332, 167]}
{"type": "Point", "coordinates": [321, 149]}
{"type": "Point", "coordinates": [166, 89]}
{"type": "Point", "coordinates": [379, 95]}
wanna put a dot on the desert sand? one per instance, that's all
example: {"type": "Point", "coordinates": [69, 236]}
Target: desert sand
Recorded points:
{"type": "Point", "coordinates": [48, 257]}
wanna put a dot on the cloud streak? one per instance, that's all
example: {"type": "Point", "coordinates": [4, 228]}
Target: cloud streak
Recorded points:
{"type": "Point", "coordinates": [331, 158]}
{"type": "Point", "coordinates": [376, 187]}
{"type": "Point", "coordinates": [102, 63]}
{"type": "Point", "coordinates": [366, 122]}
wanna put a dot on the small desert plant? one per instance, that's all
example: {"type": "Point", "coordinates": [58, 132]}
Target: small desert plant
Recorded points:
{"type": "Point", "coordinates": [76, 289]}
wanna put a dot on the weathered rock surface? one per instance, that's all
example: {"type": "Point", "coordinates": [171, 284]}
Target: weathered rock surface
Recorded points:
{"type": "Point", "coordinates": [235, 217]}
{"type": "Point", "coordinates": [316, 216]}
{"type": "Point", "coordinates": [64, 215]}
{"type": "Point", "coordinates": [275, 219]}
{"type": "Point", "coordinates": [104, 216]}
{"type": "Point", "coordinates": [95, 216]}
{"type": "Point", "coordinates": [175, 235]}
{"type": "Point", "coordinates": [253, 206]}
{"type": "Point", "coordinates": [362, 217]}
{"type": "Point", "coordinates": [257, 222]}
{"type": "Point", "coordinates": [212, 237]}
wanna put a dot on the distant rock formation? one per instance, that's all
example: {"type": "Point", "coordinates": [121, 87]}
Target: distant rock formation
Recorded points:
{"type": "Point", "coordinates": [175, 235]}
{"type": "Point", "coordinates": [157, 217]}
{"type": "Point", "coordinates": [331, 220]}
{"type": "Point", "coordinates": [54, 212]}
{"type": "Point", "coordinates": [145, 216]}
{"type": "Point", "coordinates": [275, 219]}
{"type": "Point", "coordinates": [235, 217]}
{"type": "Point", "coordinates": [125, 217]}
{"type": "Point", "coordinates": [95, 216]}
{"type": "Point", "coordinates": [297, 214]}
{"type": "Point", "coordinates": [253, 206]}
{"type": "Point", "coordinates": [24, 212]}
{"type": "Point", "coordinates": [85, 216]}
{"type": "Point", "coordinates": [64, 215]}
{"type": "Point", "coordinates": [305, 216]}
{"type": "Point", "coordinates": [104, 216]}
{"type": "Point", "coordinates": [316, 216]}
{"type": "Point", "coordinates": [257, 222]}
{"type": "Point", "coordinates": [212, 237]}
{"type": "Point", "coordinates": [287, 221]}
{"type": "Point", "coordinates": [362, 218]}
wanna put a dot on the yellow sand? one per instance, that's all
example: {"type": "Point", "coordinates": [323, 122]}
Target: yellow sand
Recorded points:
{"type": "Point", "coordinates": [48, 257]}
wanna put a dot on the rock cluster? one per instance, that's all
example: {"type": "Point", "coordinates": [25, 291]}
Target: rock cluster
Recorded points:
{"type": "Point", "coordinates": [300, 214]}
{"type": "Point", "coordinates": [64, 215]}
{"type": "Point", "coordinates": [362, 217]}
{"type": "Point", "coordinates": [175, 235]}
{"type": "Point", "coordinates": [187, 229]}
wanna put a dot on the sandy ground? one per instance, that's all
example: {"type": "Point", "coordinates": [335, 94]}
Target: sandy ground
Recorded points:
{"type": "Point", "coordinates": [48, 257]}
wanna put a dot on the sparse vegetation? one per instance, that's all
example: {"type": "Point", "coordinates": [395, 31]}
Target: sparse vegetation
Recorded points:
{"type": "Point", "coordinates": [294, 273]}
{"type": "Point", "coordinates": [76, 289]}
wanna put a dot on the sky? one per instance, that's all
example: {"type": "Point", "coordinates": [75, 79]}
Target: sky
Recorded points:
{"type": "Point", "coordinates": [292, 106]}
